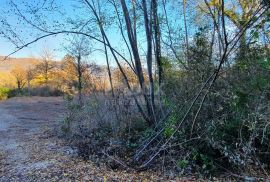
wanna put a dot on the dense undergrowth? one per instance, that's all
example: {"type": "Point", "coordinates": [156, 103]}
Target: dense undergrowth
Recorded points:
{"type": "Point", "coordinates": [230, 134]}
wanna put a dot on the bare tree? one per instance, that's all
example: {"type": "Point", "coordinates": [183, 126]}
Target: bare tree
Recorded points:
{"type": "Point", "coordinates": [20, 76]}
{"type": "Point", "coordinates": [79, 48]}
{"type": "Point", "coordinates": [29, 76]}
{"type": "Point", "coordinates": [46, 65]}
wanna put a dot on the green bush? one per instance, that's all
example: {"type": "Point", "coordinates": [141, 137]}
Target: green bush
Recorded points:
{"type": "Point", "coordinates": [5, 93]}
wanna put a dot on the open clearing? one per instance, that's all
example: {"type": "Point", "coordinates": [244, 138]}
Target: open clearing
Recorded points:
{"type": "Point", "coordinates": [31, 150]}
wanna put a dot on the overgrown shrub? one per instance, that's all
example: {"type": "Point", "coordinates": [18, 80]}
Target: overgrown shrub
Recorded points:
{"type": "Point", "coordinates": [105, 126]}
{"type": "Point", "coordinates": [45, 91]}
{"type": "Point", "coordinates": [231, 130]}
{"type": "Point", "coordinates": [40, 91]}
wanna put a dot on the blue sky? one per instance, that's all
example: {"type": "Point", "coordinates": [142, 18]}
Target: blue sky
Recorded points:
{"type": "Point", "coordinates": [6, 47]}
{"type": "Point", "coordinates": [70, 8]}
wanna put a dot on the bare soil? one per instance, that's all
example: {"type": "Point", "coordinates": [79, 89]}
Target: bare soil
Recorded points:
{"type": "Point", "coordinates": [31, 149]}
{"type": "Point", "coordinates": [25, 127]}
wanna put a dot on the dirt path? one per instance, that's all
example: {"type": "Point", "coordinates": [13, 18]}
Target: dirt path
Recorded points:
{"type": "Point", "coordinates": [31, 149]}
{"type": "Point", "coordinates": [25, 125]}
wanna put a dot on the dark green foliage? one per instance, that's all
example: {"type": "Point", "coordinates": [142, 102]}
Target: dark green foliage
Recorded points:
{"type": "Point", "coordinates": [232, 124]}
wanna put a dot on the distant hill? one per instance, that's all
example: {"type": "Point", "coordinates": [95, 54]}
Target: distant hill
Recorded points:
{"type": "Point", "coordinates": [6, 78]}
{"type": "Point", "coordinates": [10, 63]}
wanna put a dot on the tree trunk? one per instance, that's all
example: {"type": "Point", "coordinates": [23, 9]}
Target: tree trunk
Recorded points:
{"type": "Point", "coordinates": [79, 69]}
{"type": "Point", "coordinates": [157, 42]}
{"type": "Point", "coordinates": [137, 60]}
{"type": "Point", "coordinates": [148, 30]}
{"type": "Point", "coordinates": [108, 66]}
{"type": "Point", "coordinates": [19, 87]}
{"type": "Point", "coordinates": [29, 87]}
{"type": "Point", "coordinates": [186, 30]}
{"type": "Point", "coordinates": [242, 46]}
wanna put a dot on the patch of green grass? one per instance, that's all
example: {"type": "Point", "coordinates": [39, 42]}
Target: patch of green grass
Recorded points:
{"type": "Point", "coordinates": [4, 93]}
